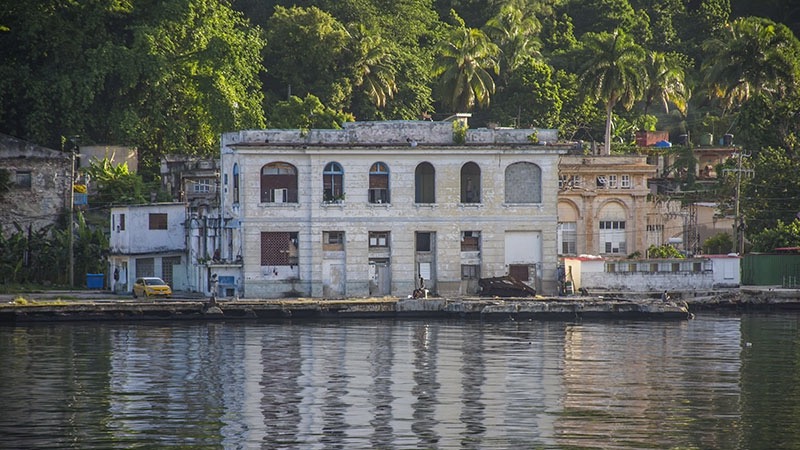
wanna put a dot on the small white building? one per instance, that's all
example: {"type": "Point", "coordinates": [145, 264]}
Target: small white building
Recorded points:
{"type": "Point", "coordinates": [151, 240]}
{"type": "Point", "coordinates": [653, 275]}
{"type": "Point", "coordinates": [372, 209]}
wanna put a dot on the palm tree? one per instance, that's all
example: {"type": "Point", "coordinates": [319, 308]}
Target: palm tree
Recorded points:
{"type": "Point", "coordinates": [464, 65]}
{"type": "Point", "coordinates": [665, 82]}
{"type": "Point", "coordinates": [515, 32]}
{"type": "Point", "coordinates": [374, 67]}
{"type": "Point", "coordinates": [613, 73]}
{"type": "Point", "coordinates": [755, 55]}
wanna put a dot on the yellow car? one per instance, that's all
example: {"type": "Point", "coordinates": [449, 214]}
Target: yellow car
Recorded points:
{"type": "Point", "coordinates": [151, 286]}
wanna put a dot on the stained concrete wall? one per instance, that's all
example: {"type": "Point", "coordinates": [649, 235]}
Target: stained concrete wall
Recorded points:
{"type": "Point", "coordinates": [38, 205]}
{"type": "Point", "coordinates": [402, 146]}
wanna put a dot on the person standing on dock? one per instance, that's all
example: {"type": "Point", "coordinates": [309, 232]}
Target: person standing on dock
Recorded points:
{"type": "Point", "coordinates": [665, 297]}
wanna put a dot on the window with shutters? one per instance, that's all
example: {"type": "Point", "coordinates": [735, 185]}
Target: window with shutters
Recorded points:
{"type": "Point", "coordinates": [379, 183]}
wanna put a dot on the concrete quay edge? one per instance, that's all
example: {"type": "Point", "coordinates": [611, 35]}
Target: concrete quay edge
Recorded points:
{"type": "Point", "coordinates": [540, 308]}
{"type": "Point", "coordinates": [97, 305]}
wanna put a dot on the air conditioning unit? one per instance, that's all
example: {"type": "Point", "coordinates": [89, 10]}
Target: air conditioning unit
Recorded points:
{"type": "Point", "coordinates": [280, 195]}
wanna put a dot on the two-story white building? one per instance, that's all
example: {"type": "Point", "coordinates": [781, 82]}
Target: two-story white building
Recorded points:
{"type": "Point", "coordinates": [372, 209]}
{"type": "Point", "coordinates": [151, 241]}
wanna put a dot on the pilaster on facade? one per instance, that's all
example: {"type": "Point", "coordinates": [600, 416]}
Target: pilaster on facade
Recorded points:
{"type": "Point", "coordinates": [381, 208]}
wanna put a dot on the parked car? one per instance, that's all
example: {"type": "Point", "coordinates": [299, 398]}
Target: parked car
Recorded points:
{"type": "Point", "coordinates": [151, 286]}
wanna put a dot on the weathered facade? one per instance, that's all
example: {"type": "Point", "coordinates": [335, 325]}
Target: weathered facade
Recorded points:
{"type": "Point", "coordinates": [150, 241]}
{"type": "Point", "coordinates": [40, 185]}
{"type": "Point", "coordinates": [653, 275]}
{"type": "Point", "coordinates": [372, 209]}
{"type": "Point", "coordinates": [603, 207]}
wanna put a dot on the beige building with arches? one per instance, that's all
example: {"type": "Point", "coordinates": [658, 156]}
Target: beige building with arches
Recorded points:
{"type": "Point", "coordinates": [604, 209]}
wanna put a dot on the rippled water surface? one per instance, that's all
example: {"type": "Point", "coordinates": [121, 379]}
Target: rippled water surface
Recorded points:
{"type": "Point", "coordinates": [715, 382]}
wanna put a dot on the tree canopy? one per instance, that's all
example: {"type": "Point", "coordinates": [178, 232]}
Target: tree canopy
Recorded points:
{"type": "Point", "coordinates": [171, 76]}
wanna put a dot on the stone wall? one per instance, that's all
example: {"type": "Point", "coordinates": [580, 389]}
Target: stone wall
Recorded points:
{"type": "Point", "coordinates": [38, 205]}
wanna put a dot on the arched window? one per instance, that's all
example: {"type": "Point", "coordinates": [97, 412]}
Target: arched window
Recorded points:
{"type": "Point", "coordinates": [379, 183]}
{"type": "Point", "coordinates": [425, 183]}
{"type": "Point", "coordinates": [333, 183]}
{"type": "Point", "coordinates": [279, 183]}
{"type": "Point", "coordinates": [470, 183]}
{"type": "Point", "coordinates": [236, 183]}
{"type": "Point", "coordinates": [523, 183]}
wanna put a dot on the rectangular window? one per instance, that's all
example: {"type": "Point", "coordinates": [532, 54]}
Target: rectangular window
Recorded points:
{"type": "Point", "coordinates": [602, 183]}
{"type": "Point", "coordinates": [563, 182]}
{"type": "Point", "coordinates": [23, 180]}
{"type": "Point", "coordinates": [378, 238]}
{"type": "Point", "coordinates": [470, 241]}
{"type": "Point", "coordinates": [201, 186]}
{"type": "Point", "coordinates": [333, 237]}
{"type": "Point", "coordinates": [576, 181]}
{"type": "Point", "coordinates": [158, 221]}
{"type": "Point", "coordinates": [122, 222]}
{"type": "Point", "coordinates": [378, 195]}
{"type": "Point", "coordinates": [470, 271]}
{"type": "Point", "coordinates": [612, 235]}
{"type": "Point", "coordinates": [626, 181]}
{"type": "Point", "coordinates": [423, 242]}
{"type": "Point", "coordinates": [612, 182]}
{"type": "Point", "coordinates": [567, 235]}
{"type": "Point", "coordinates": [279, 248]}
{"type": "Point", "coordinates": [333, 240]}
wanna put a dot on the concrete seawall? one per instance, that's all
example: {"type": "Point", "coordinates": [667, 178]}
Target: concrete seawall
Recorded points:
{"type": "Point", "coordinates": [305, 309]}
{"type": "Point", "coordinates": [54, 306]}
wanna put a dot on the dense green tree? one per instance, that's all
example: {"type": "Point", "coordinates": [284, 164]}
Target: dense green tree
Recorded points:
{"type": "Point", "coordinates": [305, 114]}
{"type": "Point", "coordinates": [769, 122]}
{"type": "Point", "coordinates": [754, 55]}
{"type": "Point", "coordinates": [783, 234]}
{"type": "Point", "coordinates": [161, 76]}
{"type": "Point", "coordinates": [783, 11]}
{"type": "Point", "coordinates": [702, 20]}
{"type": "Point", "coordinates": [531, 98]}
{"type": "Point", "coordinates": [306, 54]}
{"type": "Point", "coordinates": [191, 72]}
{"type": "Point", "coordinates": [557, 37]}
{"type": "Point", "coordinates": [465, 64]}
{"type": "Point", "coordinates": [664, 15]}
{"type": "Point", "coordinates": [56, 58]}
{"type": "Point", "coordinates": [772, 193]}
{"type": "Point", "coordinates": [597, 16]}
{"type": "Point", "coordinates": [580, 118]}
{"type": "Point", "coordinates": [613, 73]}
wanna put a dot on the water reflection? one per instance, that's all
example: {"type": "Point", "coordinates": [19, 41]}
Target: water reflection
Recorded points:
{"type": "Point", "coordinates": [714, 382]}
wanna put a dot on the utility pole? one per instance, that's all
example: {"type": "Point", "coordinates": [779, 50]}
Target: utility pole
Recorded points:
{"type": "Point", "coordinates": [738, 221]}
{"type": "Point", "coordinates": [70, 222]}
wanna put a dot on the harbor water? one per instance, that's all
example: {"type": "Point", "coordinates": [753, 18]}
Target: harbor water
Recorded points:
{"type": "Point", "coordinates": [719, 381]}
